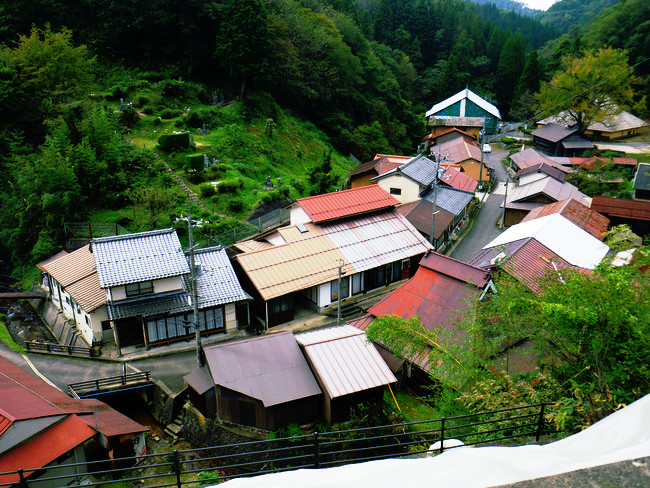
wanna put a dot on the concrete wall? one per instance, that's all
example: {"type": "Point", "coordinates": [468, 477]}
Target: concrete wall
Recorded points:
{"type": "Point", "coordinates": [164, 403]}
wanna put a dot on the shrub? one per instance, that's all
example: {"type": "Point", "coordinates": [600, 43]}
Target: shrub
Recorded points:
{"type": "Point", "coordinates": [508, 140]}
{"type": "Point", "coordinates": [193, 162]}
{"type": "Point", "coordinates": [229, 186]}
{"type": "Point", "coordinates": [236, 205]}
{"type": "Point", "coordinates": [207, 190]}
{"type": "Point", "coordinates": [171, 142]}
{"type": "Point", "coordinates": [170, 113]}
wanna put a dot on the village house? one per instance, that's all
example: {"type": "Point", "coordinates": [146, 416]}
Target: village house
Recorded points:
{"type": "Point", "coordinates": [584, 217]}
{"type": "Point", "coordinates": [557, 233]}
{"type": "Point", "coordinates": [134, 289]}
{"type": "Point", "coordinates": [557, 140]}
{"type": "Point", "coordinates": [614, 126]}
{"type": "Point", "coordinates": [263, 382]}
{"type": "Point", "coordinates": [539, 188]}
{"type": "Point", "coordinates": [348, 368]}
{"type": "Point", "coordinates": [438, 293]}
{"type": "Point", "coordinates": [355, 235]}
{"type": "Point", "coordinates": [465, 111]}
{"type": "Point", "coordinates": [635, 213]}
{"type": "Point", "coordinates": [528, 157]}
{"type": "Point", "coordinates": [45, 433]}
{"type": "Point", "coordinates": [641, 183]}
{"type": "Point", "coordinates": [465, 154]}
{"type": "Point", "coordinates": [363, 173]}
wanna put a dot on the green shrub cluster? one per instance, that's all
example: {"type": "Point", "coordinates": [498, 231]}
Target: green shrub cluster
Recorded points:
{"type": "Point", "coordinates": [207, 190]}
{"type": "Point", "coordinates": [172, 142]}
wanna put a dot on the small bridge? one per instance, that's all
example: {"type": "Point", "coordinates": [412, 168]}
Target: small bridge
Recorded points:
{"type": "Point", "coordinates": [110, 384]}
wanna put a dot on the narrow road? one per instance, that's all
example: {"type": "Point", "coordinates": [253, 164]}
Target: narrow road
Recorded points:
{"type": "Point", "coordinates": [485, 226]}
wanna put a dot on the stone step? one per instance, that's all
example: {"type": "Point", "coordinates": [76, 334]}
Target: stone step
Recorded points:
{"type": "Point", "coordinates": [175, 429]}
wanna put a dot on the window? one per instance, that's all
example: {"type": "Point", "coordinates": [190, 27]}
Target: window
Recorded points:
{"type": "Point", "coordinates": [137, 289]}
{"type": "Point", "coordinates": [395, 191]}
{"type": "Point", "coordinates": [357, 283]}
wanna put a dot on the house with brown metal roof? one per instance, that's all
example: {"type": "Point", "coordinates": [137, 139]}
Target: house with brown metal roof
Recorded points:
{"type": "Point", "coordinates": [355, 234]}
{"type": "Point", "coordinates": [557, 140]}
{"type": "Point", "coordinates": [348, 368]}
{"type": "Point", "coordinates": [262, 382]}
{"type": "Point", "coordinates": [134, 289]}
{"type": "Point", "coordinates": [577, 212]}
{"type": "Point", "coordinates": [635, 213]}
{"type": "Point", "coordinates": [43, 432]}
{"type": "Point", "coordinates": [438, 293]}
{"type": "Point", "coordinates": [528, 157]}
{"type": "Point", "coordinates": [463, 152]}
{"type": "Point", "coordinates": [537, 193]}
{"type": "Point", "coordinates": [363, 173]}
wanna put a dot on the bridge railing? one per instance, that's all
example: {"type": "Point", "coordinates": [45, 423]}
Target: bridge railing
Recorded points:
{"type": "Point", "coordinates": [53, 348]}
{"type": "Point", "coordinates": [83, 388]}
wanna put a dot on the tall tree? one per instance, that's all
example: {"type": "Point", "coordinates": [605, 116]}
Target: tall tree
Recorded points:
{"type": "Point", "coordinates": [590, 88]}
{"type": "Point", "coordinates": [243, 41]}
{"type": "Point", "coordinates": [511, 65]}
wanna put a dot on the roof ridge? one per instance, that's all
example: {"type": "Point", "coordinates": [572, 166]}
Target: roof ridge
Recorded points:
{"type": "Point", "coordinates": [134, 235]}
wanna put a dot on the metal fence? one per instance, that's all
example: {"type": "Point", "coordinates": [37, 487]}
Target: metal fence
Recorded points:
{"type": "Point", "coordinates": [88, 388]}
{"type": "Point", "coordinates": [94, 229]}
{"type": "Point", "coordinates": [55, 348]}
{"type": "Point", "coordinates": [211, 465]}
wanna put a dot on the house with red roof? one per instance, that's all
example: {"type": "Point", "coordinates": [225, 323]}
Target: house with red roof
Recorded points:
{"type": "Point", "coordinates": [363, 173]}
{"type": "Point", "coordinates": [584, 217]}
{"type": "Point", "coordinates": [354, 234]}
{"type": "Point", "coordinates": [635, 213]}
{"type": "Point", "coordinates": [438, 293]}
{"type": "Point", "coordinates": [43, 432]}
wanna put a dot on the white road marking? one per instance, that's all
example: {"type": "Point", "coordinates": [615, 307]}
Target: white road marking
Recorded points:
{"type": "Point", "coordinates": [38, 373]}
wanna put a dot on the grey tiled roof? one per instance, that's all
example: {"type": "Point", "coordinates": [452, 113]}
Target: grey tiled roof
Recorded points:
{"type": "Point", "coordinates": [421, 169]}
{"type": "Point", "coordinates": [148, 306]}
{"type": "Point", "coordinates": [216, 282]}
{"type": "Point", "coordinates": [138, 257]}
{"type": "Point", "coordinates": [449, 199]}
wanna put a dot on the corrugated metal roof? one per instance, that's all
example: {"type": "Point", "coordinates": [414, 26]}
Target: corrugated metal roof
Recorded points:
{"type": "Point", "coordinates": [553, 132]}
{"type": "Point", "coordinates": [72, 267]}
{"type": "Point", "coordinates": [199, 379]}
{"type": "Point", "coordinates": [458, 150]}
{"type": "Point", "coordinates": [450, 199]}
{"type": "Point", "coordinates": [344, 360]}
{"type": "Point", "coordinates": [250, 246]}
{"type": "Point", "coordinates": [459, 180]}
{"type": "Point", "coordinates": [330, 206]}
{"type": "Point", "coordinates": [216, 282]}
{"type": "Point", "coordinates": [548, 186]}
{"type": "Point", "coordinates": [553, 171]}
{"type": "Point", "coordinates": [618, 207]}
{"type": "Point", "coordinates": [358, 244]}
{"type": "Point", "coordinates": [531, 157]}
{"type": "Point", "coordinates": [138, 257]}
{"type": "Point", "coordinates": [48, 446]}
{"type": "Point", "coordinates": [109, 421]}
{"type": "Point", "coordinates": [469, 94]}
{"type": "Point", "coordinates": [578, 213]}
{"type": "Point", "coordinates": [270, 368]}
{"type": "Point", "coordinates": [454, 268]}
{"type": "Point", "coordinates": [377, 166]}
{"type": "Point", "coordinates": [449, 131]}
{"type": "Point", "coordinates": [418, 213]}
{"type": "Point", "coordinates": [561, 236]}
{"type": "Point", "coordinates": [54, 258]}
{"type": "Point", "coordinates": [368, 242]}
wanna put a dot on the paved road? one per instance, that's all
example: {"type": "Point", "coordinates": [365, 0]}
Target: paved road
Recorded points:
{"type": "Point", "coordinates": [61, 370]}
{"type": "Point", "coordinates": [485, 226]}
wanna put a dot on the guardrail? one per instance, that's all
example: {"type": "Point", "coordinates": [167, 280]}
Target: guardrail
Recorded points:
{"type": "Point", "coordinates": [198, 467]}
{"type": "Point", "coordinates": [109, 383]}
{"type": "Point", "coordinates": [53, 348]}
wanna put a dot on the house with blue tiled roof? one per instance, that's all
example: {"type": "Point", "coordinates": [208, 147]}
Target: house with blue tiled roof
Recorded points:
{"type": "Point", "coordinates": [135, 289]}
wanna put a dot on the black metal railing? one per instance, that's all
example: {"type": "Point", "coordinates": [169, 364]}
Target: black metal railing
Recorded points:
{"type": "Point", "coordinates": [109, 383]}
{"type": "Point", "coordinates": [197, 467]}
{"type": "Point", "coordinates": [54, 348]}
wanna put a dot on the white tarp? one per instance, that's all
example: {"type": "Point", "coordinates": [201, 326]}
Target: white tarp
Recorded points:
{"type": "Point", "coordinates": [623, 435]}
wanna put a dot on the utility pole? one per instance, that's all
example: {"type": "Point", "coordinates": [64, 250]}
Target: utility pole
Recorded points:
{"type": "Point", "coordinates": [338, 313]}
{"type": "Point", "coordinates": [505, 200]}
{"type": "Point", "coordinates": [195, 295]}
{"type": "Point", "coordinates": [481, 141]}
{"type": "Point", "coordinates": [435, 200]}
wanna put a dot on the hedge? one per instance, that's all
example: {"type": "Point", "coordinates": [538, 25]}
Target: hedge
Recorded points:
{"type": "Point", "coordinates": [172, 142]}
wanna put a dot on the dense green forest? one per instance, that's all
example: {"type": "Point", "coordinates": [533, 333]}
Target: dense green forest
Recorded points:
{"type": "Point", "coordinates": [287, 89]}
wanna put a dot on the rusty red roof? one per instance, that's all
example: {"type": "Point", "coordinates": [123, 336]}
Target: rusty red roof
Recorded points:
{"type": "Point", "coordinates": [584, 217]}
{"type": "Point", "coordinates": [459, 180]}
{"type": "Point", "coordinates": [331, 206]}
{"type": "Point", "coordinates": [454, 129]}
{"type": "Point", "coordinates": [45, 448]}
{"type": "Point", "coordinates": [625, 161]}
{"type": "Point", "coordinates": [27, 397]}
{"type": "Point", "coordinates": [109, 421]}
{"type": "Point", "coordinates": [617, 207]}
{"type": "Point", "coordinates": [418, 213]}
{"type": "Point", "coordinates": [525, 259]}
{"type": "Point", "coordinates": [436, 293]}
{"type": "Point", "coordinates": [378, 166]}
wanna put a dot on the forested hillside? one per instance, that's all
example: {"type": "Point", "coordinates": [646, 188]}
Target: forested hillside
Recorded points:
{"type": "Point", "coordinates": [567, 13]}
{"type": "Point", "coordinates": [79, 79]}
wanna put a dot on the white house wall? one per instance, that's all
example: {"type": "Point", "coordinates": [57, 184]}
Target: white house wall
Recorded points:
{"type": "Point", "coordinates": [231, 318]}
{"type": "Point", "coordinates": [410, 190]}
{"type": "Point", "coordinates": [299, 216]}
